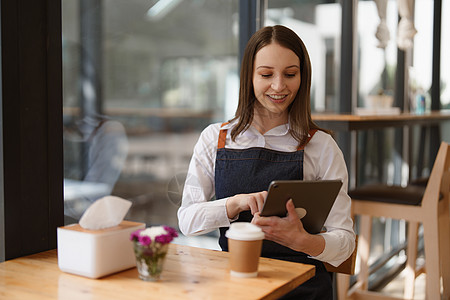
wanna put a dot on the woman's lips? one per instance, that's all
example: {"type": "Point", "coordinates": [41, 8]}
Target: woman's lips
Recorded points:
{"type": "Point", "coordinates": [277, 98]}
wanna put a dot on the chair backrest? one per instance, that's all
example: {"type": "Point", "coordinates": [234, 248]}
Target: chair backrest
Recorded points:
{"type": "Point", "coordinates": [348, 266]}
{"type": "Point", "coordinates": [439, 182]}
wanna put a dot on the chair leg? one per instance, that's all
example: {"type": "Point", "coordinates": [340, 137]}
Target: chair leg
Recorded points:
{"type": "Point", "coordinates": [342, 285]}
{"type": "Point", "coordinates": [365, 236]}
{"type": "Point", "coordinates": [411, 256]}
{"type": "Point", "coordinates": [444, 249]}
{"type": "Point", "coordinates": [430, 235]}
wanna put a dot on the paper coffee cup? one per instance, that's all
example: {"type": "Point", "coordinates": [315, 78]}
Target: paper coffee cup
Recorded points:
{"type": "Point", "coordinates": [244, 245]}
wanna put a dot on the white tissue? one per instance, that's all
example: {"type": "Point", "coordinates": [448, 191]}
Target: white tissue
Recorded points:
{"type": "Point", "coordinates": [105, 212]}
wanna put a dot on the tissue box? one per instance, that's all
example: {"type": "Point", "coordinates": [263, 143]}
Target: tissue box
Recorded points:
{"type": "Point", "coordinates": [96, 253]}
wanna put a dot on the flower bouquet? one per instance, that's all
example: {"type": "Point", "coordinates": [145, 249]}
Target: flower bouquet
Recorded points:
{"type": "Point", "coordinates": [150, 247]}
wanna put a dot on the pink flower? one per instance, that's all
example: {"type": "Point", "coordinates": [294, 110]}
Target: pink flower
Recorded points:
{"type": "Point", "coordinates": [135, 235]}
{"type": "Point", "coordinates": [171, 231]}
{"type": "Point", "coordinates": [145, 240]}
{"type": "Point", "coordinates": [160, 234]}
{"type": "Point", "coordinates": [164, 239]}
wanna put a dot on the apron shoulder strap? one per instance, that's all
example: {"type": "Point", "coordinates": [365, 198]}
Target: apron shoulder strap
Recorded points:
{"type": "Point", "coordinates": [311, 134]}
{"type": "Point", "coordinates": [222, 136]}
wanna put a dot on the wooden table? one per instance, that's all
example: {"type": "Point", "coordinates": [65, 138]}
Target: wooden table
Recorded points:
{"type": "Point", "coordinates": [189, 273]}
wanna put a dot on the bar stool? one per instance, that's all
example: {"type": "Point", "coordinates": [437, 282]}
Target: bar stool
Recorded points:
{"type": "Point", "coordinates": [428, 206]}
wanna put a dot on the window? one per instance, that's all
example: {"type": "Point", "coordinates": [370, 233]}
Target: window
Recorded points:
{"type": "Point", "coordinates": [377, 57]}
{"type": "Point", "coordinates": [141, 80]}
{"type": "Point", "coordinates": [318, 24]}
{"type": "Point", "coordinates": [422, 65]}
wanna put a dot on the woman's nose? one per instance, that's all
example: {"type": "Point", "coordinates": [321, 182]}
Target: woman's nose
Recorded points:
{"type": "Point", "coordinates": [278, 83]}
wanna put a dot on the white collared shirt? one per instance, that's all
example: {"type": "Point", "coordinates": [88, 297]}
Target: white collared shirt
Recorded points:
{"type": "Point", "coordinates": [322, 160]}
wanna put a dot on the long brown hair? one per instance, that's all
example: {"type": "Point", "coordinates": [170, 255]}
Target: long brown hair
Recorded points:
{"type": "Point", "coordinates": [300, 109]}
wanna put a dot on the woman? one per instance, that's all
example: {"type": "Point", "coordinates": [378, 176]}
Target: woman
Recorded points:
{"type": "Point", "coordinates": [272, 137]}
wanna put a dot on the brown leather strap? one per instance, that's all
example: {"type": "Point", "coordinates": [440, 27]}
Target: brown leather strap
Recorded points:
{"type": "Point", "coordinates": [311, 134]}
{"type": "Point", "coordinates": [222, 136]}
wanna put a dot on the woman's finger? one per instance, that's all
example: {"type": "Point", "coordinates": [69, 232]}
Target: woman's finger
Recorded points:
{"type": "Point", "coordinates": [291, 213]}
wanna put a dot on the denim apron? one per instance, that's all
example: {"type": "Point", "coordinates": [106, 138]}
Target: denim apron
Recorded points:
{"type": "Point", "coordinates": [243, 171]}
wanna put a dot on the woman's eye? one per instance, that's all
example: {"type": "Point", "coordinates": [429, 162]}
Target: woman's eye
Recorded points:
{"type": "Point", "coordinates": [266, 75]}
{"type": "Point", "coordinates": [290, 75]}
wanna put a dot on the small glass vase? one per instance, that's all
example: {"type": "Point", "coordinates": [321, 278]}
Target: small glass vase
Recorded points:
{"type": "Point", "coordinates": [150, 260]}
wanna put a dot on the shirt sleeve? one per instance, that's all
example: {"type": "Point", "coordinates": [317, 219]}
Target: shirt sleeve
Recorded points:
{"type": "Point", "coordinates": [324, 160]}
{"type": "Point", "coordinates": [198, 214]}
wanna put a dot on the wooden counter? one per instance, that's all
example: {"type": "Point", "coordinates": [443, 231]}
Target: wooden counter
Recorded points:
{"type": "Point", "coordinates": [349, 122]}
{"type": "Point", "coordinates": [189, 273]}
{"type": "Point", "coordinates": [353, 123]}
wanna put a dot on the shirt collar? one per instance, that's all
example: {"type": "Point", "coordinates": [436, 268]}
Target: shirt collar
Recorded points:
{"type": "Point", "coordinates": [277, 131]}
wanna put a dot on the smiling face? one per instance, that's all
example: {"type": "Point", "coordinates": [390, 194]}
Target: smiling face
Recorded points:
{"type": "Point", "coordinates": [276, 80]}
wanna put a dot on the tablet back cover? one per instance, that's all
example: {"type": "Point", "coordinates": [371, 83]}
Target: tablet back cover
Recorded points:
{"type": "Point", "coordinates": [315, 197]}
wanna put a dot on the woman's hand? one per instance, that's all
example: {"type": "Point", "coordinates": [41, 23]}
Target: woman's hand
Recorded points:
{"type": "Point", "coordinates": [241, 202]}
{"type": "Point", "coordinates": [289, 232]}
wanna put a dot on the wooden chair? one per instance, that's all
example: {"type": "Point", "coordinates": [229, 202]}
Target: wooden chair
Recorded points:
{"type": "Point", "coordinates": [431, 210]}
{"type": "Point", "coordinates": [343, 272]}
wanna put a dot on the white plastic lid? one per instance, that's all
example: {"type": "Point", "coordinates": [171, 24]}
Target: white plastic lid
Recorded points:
{"type": "Point", "coordinates": [244, 231]}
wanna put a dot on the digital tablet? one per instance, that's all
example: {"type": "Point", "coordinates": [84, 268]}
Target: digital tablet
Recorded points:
{"type": "Point", "coordinates": [312, 199]}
